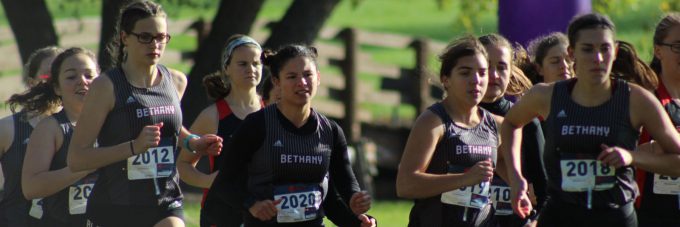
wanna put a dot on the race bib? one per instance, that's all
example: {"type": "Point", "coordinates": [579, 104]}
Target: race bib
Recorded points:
{"type": "Point", "coordinates": [580, 175]}
{"type": "Point", "coordinates": [36, 210]}
{"type": "Point", "coordinates": [298, 202]}
{"type": "Point", "coordinates": [78, 194]}
{"type": "Point", "coordinates": [666, 185]}
{"type": "Point", "coordinates": [475, 196]}
{"type": "Point", "coordinates": [500, 195]}
{"type": "Point", "coordinates": [157, 162]}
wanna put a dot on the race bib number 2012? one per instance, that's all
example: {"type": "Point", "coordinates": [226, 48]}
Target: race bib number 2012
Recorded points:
{"type": "Point", "coordinates": [156, 162]}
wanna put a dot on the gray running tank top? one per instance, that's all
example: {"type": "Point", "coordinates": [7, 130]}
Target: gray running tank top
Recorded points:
{"type": "Point", "coordinates": [460, 147]}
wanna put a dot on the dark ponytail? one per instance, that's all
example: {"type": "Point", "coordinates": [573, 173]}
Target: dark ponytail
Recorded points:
{"type": "Point", "coordinates": [215, 87]}
{"type": "Point", "coordinates": [629, 67]}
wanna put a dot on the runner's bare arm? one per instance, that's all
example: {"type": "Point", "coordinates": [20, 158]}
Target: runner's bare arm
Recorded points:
{"type": "Point", "coordinates": [82, 155]}
{"type": "Point", "coordinates": [412, 179]}
{"type": "Point", "coordinates": [37, 179]}
{"type": "Point", "coordinates": [7, 132]}
{"type": "Point", "coordinates": [205, 123]}
{"type": "Point", "coordinates": [648, 113]}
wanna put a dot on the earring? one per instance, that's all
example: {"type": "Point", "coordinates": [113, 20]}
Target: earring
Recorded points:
{"type": "Point", "coordinates": [125, 55]}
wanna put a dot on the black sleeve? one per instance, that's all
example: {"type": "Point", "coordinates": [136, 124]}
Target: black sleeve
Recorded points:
{"type": "Point", "coordinates": [230, 184]}
{"type": "Point", "coordinates": [336, 210]}
{"type": "Point", "coordinates": [340, 167]}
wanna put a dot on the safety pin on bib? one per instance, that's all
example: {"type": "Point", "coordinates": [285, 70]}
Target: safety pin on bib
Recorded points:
{"type": "Point", "coordinates": [465, 214]}
{"type": "Point", "coordinates": [590, 198]}
{"type": "Point", "coordinates": [155, 184]}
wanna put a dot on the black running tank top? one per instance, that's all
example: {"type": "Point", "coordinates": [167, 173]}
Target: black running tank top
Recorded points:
{"type": "Point", "coordinates": [573, 137]}
{"type": "Point", "coordinates": [292, 164]}
{"type": "Point", "coordinates": [14, 207]}
{"type": "Point", "coordinates": [149, 178]}
{"type": "Point", "coordinates": [69, 204]}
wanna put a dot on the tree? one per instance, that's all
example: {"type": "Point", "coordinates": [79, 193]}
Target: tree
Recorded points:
{"type": "Point", "coordinates": [31, 24]}
{"type": "Point", "coordinates": [233, 17]}
{"type": "Point", "coordinates": [301, 23]}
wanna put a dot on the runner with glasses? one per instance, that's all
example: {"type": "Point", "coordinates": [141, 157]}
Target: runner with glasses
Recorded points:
{"type": "Point", "coordinates": [134, 116]}
{"type": "Point", "coordinates": [659, 203]}
{"type": "Point", "coordinates": [147, 38]}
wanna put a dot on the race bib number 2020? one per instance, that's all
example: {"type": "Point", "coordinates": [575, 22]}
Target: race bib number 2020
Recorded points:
{"type": "Point", "coordinates": [298, 203]}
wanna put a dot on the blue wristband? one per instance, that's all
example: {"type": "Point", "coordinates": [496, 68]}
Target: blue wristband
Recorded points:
{"type": "Point", "coordinates": [186, 142]}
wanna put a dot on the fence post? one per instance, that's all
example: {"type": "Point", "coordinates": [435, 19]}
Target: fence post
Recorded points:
{"type": "Point", "coordinates": [351, 124]}
{"type": "Point", "coordinates": [421, 87]}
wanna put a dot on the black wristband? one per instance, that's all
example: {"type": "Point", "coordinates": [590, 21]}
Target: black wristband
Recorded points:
{"type": "Point", "coordinates": [132, 148]}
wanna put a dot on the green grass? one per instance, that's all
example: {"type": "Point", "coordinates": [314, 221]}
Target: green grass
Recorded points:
{"type": "Point", "coordinates": [388, 213]}
{"type": "Point", "coordinates": [182, 42]}
{"type": "Point", "coordinates": [10, 72]}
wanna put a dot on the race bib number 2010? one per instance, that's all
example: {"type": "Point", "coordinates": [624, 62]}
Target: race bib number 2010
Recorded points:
{"type": "Point", "coordinates": [500, 195]}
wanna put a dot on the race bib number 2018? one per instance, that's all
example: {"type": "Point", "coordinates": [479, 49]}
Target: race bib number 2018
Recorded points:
{"type": "Point", "coordinates": [579, 175]}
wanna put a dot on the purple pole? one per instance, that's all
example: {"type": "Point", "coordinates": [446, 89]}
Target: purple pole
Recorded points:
{"type": "Point", "coordinates": [523, 20]}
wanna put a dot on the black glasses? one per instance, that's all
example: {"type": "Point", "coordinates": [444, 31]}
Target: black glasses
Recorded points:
{"type": "Point", "coordinates": [146, 38]}
{"type": "Point", "coordinates": [675, 47]}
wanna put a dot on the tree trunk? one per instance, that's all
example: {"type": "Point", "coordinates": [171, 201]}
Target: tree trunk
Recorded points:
{"type": "Point", "coordinates": [301, 23]}
{"type": "Point", "coordinates": [31, 24]}
{"type": "Point", "coordinates": [233, 17]}
{"type": "Point", "coordinates": [110, 11]}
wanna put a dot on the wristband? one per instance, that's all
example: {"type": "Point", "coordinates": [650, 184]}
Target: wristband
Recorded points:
{"type": "Point", "coordinates": [132, 148]}
{"type": "Point", "coordinates": [186, 142]}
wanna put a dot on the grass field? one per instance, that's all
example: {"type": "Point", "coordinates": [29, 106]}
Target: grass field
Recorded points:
{"type": "Point", "coordinates": [388, 213]}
